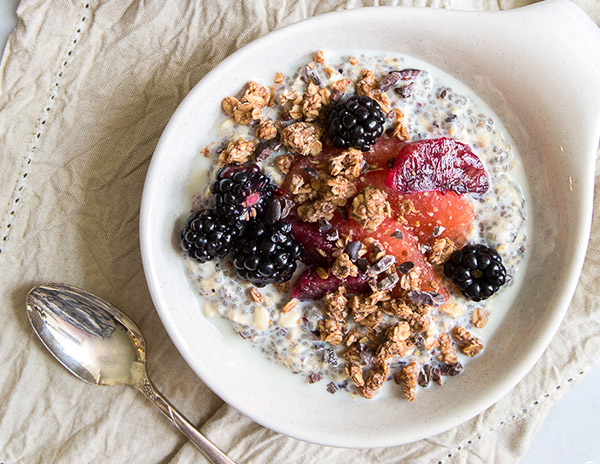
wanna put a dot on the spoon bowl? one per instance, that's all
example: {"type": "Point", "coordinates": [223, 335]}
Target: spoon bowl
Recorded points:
{"type": "Point", "coordinates": [100, 345]}
{"type": "Point", "coordinates": [91, 338]}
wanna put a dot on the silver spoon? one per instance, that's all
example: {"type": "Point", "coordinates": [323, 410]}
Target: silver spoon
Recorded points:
{"type": "Point", "coordinates": [100, 345]}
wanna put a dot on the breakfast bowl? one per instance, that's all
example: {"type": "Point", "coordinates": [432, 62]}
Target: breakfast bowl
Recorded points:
{"type": "Point", "coordinates": [537, 69]}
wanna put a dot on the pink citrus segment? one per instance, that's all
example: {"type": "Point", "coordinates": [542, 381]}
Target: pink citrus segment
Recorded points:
{"type": "Point", "coordinates": [437, 164]}
{"type": "Point", "coordinates": [317, 251]}
{"type": "Point", "coordinates": [440, 215]}
{"type": "Point", "coordinates": [311, 287]}
{"type": "Point", "coordinates": [436, 214]}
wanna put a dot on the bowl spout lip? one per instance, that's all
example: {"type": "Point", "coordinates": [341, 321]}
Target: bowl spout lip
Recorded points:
{"type": "Point", "coordinates": [577, 37]}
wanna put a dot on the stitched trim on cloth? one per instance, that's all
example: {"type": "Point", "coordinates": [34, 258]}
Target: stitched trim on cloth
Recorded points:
{"type": "Point", "coordinates": [513, 418]}
{"type": "Point", "coordinates": [39, 130]}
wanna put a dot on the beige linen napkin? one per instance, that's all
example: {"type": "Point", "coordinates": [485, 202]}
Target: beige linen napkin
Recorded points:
{"type": "Point", "coordinates": [86, 90]}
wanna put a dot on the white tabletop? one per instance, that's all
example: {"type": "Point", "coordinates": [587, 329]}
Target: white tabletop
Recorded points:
{"type": "Point", "coordinates": [570, 432]}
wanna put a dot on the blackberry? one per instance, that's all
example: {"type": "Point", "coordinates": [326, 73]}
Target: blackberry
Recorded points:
{"type": "Point", "coordinates": [240, 192]}
{"type": "Point", "coordinates": [267, 254]}
{"type": "Point", "coordinates": [355, 122]}
{"type": "Point", "coordinates": [207, 234]}
{"type": "Point", "coordinates": [477, 270]}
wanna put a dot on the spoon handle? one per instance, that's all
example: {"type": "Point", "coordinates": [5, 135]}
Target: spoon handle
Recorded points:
{"type": "Point", "coordinates": [208, 448]}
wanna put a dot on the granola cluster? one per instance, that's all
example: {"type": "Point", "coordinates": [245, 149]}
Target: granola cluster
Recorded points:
{"type": "Point", "coordinates": [343, 267]}
{"type": "Point", "coordinates": [369, 86]}
{"type": "Point", "coordinates": [303, 138]}
{"type": "Point", "coordinates": [440, 251]}
{"type": "Point", "coordinates": [306, 106]}
{"type": "Point", "coordinates": [470, 345]}
{"type": "Point", "coordinates": [247, 109]}
{"type": "Point", "coordinates": [386, 329]}
{"type": "Point", "coordinates": [399, 131]}
{"type": "Point", "coordinates": [266, 130]}
{"type": "Point", "coordinates": [326, 187]}
{"type": "Point", "coordinates": [238, 152]}
{"type": "Point", "coordinates": [302, 111]}
{"type": "Point", "coordinates": [370, 208]}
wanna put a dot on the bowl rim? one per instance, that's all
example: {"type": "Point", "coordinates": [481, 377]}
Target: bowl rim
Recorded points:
{"type": "Point", "coordinates": [518, 371]}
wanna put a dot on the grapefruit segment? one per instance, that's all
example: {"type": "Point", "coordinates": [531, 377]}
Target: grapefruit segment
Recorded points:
{"type": "Point", "coordinates": [311, 287]}
{"type": "Point", "coordinates": [437, 164]}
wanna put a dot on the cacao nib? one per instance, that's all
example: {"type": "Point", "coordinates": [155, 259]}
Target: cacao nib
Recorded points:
{"type": "Point", "coordinates": [285, 116]}
{"type": "Point", "coordinates": [337, 95]}
{"type": "Point", "coordinates": [451, 369]}
{"type": "Point", "coordinates": [364, 167]}
{"type": "Point", "coordinates": [352, 250]}
{"type": "Point", "coordinates": [425, 375]}
{"type": "Point", "coordinates": [366, 357]}
{"type": "Point", "coordinates": [311, 173]}
{"type": "Point", "coordinates": [388, 282]}
{"type": "Point", "coordinates": [382, 265]}
{"type": "Point", "coordinates": [362, 264]}
{"type": "Point", "coordinates": [422, 379]}
{"type": "Point", "coordinates": [408, 74]}
{"type": "Point", "coordinates": [332, 387]}
{"type": "Point", "coordinates": [404, 91]}
{"type": "Point", "coordinates": [437, 230]}
{"type": "Point", "coordinates": [324, 225]}
{"type": "Point", "coordinates": [436, 375]}
{"type": "Point", "coordinates": [419, 341]}
{"type": "Point", "coordinates": [332, 235]}
{"type": "Point", "coordinates": [262, 151]}
{"type": "Point", "coordinates": [405, 267]}
{"type": "Point", "coordinates": [344, 213]}
{"type": "Point", "coordinates": [376, 248]}
{"type": "Point", "coordinates": [388, 81]}
{"type": "Point", "coordinates": [426, 298]}
{"type": "Point", "coordinates": [286, 207]}
{"type": "Point", "coordinates": [398, 234]}
{"type": "Point", "coordinates": [274, 144]}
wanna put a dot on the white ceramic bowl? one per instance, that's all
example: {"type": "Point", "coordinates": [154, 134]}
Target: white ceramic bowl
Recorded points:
{"type": "Point", "coordinates": [536, 67]}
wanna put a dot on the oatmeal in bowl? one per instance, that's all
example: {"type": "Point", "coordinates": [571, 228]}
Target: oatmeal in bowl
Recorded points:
{"type": "Point", "coordinates": [354, 220]}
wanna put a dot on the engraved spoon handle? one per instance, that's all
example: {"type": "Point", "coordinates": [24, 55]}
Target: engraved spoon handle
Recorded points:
{"type": "Point", "coordinates": [208, 448]}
